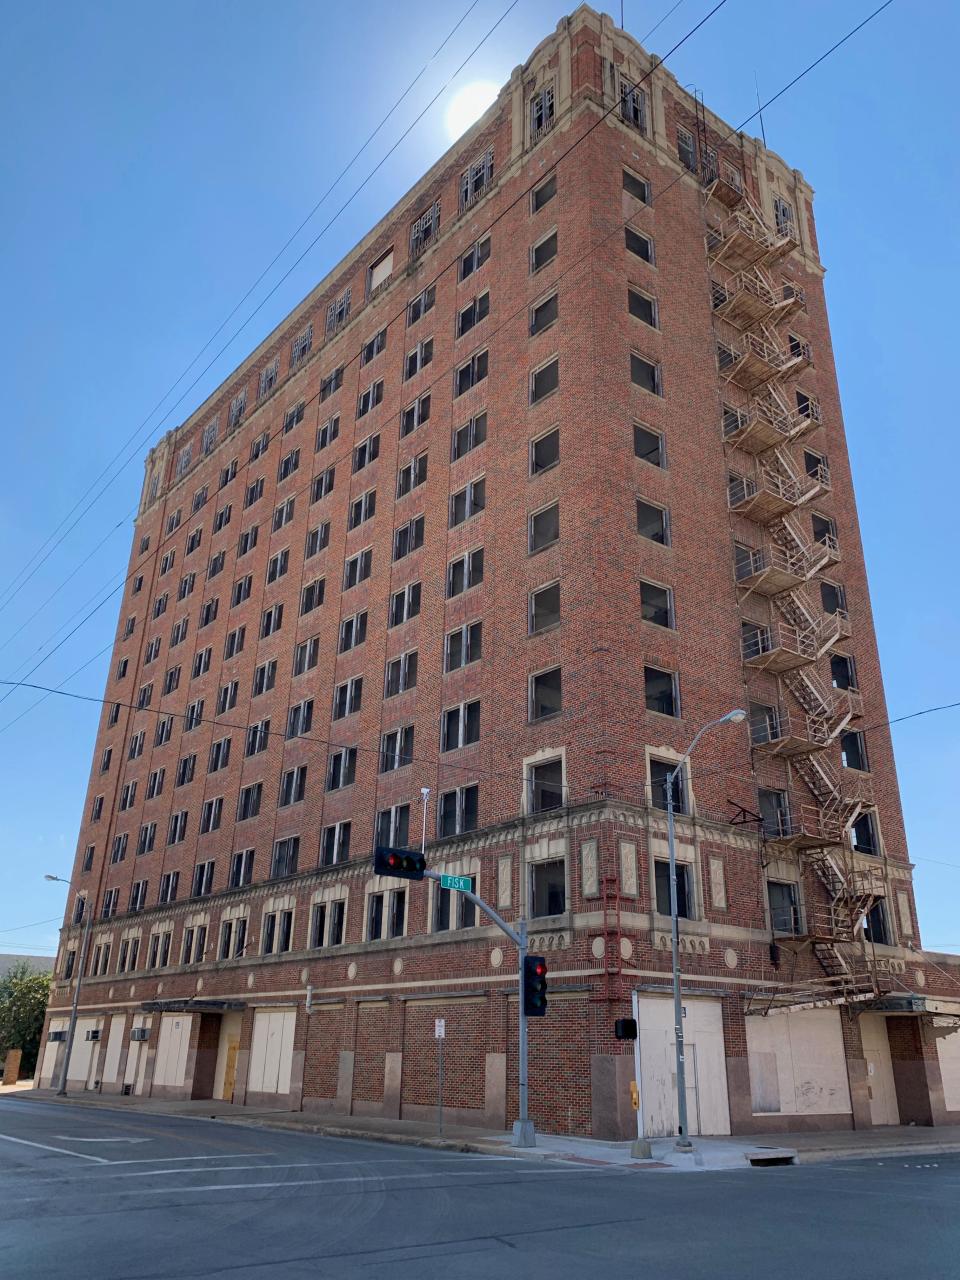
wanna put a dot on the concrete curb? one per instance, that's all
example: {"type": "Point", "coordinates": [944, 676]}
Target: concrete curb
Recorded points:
{"type": "Point", "coordinates": [397, 1139]}
{"type": "Point", "coordinates": [824, 1154]}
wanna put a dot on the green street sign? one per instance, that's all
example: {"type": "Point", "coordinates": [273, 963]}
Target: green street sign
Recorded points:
{"type": "Point", "coordinates": [461, 883]}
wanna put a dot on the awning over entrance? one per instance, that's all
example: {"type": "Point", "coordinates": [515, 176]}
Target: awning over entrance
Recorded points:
{"type": "Point", "coordinates": [944, 1012]}
{"type": "Point", "coordinates": [193, 1006]}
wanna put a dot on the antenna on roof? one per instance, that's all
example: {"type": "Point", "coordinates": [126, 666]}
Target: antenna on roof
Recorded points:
{"type": "Point", "coordinates": [763, 132]}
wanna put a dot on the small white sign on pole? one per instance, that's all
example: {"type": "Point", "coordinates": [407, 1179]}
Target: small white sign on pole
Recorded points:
{"type": "Point", "coordinates": [439, 1028]}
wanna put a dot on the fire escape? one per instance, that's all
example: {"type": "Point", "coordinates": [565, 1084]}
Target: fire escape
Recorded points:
{"type": "Point", "coordinates": [763, 416]}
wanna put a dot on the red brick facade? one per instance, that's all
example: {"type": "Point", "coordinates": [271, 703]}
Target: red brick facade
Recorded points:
{"type": "Point", "coordinates": [720, 253]}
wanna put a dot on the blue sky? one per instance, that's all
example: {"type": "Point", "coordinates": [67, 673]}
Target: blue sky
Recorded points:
{"type": "Point", "coordinates": [155, 158]}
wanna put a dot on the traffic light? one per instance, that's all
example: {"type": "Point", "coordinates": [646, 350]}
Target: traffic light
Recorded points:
{"type": "Point", "coordinates": [404, 863]}
{"type": "Point", "coordinates": [534, 986]}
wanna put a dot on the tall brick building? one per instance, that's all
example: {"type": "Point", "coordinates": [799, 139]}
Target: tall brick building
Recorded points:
{"type": "Point", "coordinates": [549, 472]}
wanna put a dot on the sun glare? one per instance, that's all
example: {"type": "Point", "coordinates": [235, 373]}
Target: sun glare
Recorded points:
{"type": "Point", "coordinates": [468, 105]}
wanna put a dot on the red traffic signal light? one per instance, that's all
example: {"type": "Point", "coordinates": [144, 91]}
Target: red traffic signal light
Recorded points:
{"type": "Point", "coordinates": [534, 986]}
{"type": "Point", "coordinates": [405, 863]}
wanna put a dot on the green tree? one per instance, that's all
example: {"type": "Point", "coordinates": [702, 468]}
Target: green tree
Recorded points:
{"type": "Point", "coordinates": [23, 1003]}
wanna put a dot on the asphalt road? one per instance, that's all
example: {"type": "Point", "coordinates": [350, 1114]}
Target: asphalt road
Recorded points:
{"type": "Point", "coordinates": [106, 1194]}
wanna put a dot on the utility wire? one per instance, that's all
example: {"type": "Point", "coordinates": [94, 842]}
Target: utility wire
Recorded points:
{"type": "Point", "coordinates": [134, 438]}
{"type": "Point", "coordinates": [33, 925]}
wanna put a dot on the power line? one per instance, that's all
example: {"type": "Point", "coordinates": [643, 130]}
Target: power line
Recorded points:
{"type": "Point", "coordinates": [33, 925]}
{"type": "Point", "coordinates": [400, 314]}
{"type": "Point", "coordinates": [135, 436]}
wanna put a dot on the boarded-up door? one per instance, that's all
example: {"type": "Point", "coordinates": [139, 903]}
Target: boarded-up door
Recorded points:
{"type": "Point", "coordinates": [948, 1051]}
{"type": "Point", "coordinates": [169, 1069]}
{"type": "Point", "coordinates": [111, 1062]}
{"type": "Point", "coordinates": [271, 1051]}
{"type": "Point", "coordinates": [880, 1081]}
{"type": "Point", "coordinates": [707, 1106]}
{"type": "Point", "coordinates": [797, 1064]}
{"type": "Point", "coordinates": [135, 1070]}
{"type": "Point", "coordinates": [225, 1078]}
{"type": "Point", "coordinates": [83, 1058]}
{"type": "Point", "coordinates": [50, 1050]}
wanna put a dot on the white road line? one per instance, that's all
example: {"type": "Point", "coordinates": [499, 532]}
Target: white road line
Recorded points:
{"type": "Point", "coordinates": [62, 1151]}
{"type": "Point", "coordinates": [229, 1168]}
{"type": "Point", "coordinates": [324, 1182]}
{"type": "Point", "coordinates": [69, 1137]}
{"type": "Point", "coordinates": [239, 1155]}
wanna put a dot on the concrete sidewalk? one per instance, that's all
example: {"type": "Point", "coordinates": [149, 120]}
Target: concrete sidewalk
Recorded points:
{"type": "Point", "coordinates": [715, 1153]}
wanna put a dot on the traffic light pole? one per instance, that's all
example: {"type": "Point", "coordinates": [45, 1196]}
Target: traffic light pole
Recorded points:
{"type": "Point", "coordinates": [524, 1134]}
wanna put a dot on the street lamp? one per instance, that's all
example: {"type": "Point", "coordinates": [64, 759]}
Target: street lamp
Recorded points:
{"type": "Point", "coordinates": [71, 1029]}
{"type": "Point", "coordinates": [683, 1139]}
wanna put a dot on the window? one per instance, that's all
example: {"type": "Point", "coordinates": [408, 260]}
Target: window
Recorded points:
{"type": "Point", "coordinates": [409, 537]}
{"type": "Point", "coordinates": [476, 310]}
{"type": "Point", "coordinates": [545, 694]}
{"type": "Point", "coordinates": [277, 932]}
{"type": "Point", "coordinates": [179, 632]}
{"type": "Point", "coordinates": [183, 462]}
{"type": "Point", "coordinates": [660, 691]}
{"type": "Point", "coordinates": [300, 346]}
{"type": "Point", "coordinates": [421, 304]}
{"type": "Point", "coordinates": [347, 697]}
{"type": "Point", "coordinates": [833, 597]}
{"type": "Point", "coordinates": [136, 745]}
{"type": "Point", "coordinates": [783, 216]}
{"type": "Point", "coordinates": [371, 349]}
{"type": "Point", "coordinates": [88, 855]}
{"type": "Point", "coordinates": [353, 632]}
{"type": "Point", "coordinates": [289, 463]}
{"type": "Point", "coordinates": [413, 474]}
{"type": "Point", "coordinates": [173, 521]}
{"type": "Point", "coordinates": [401, 674]}
{"type": "Point", "coordinates": [362, 508]}
{"type": "Point", "coordinates": [396, 749]}
{"type": "Point", "coordinates": [105, 759]}
{"type": "Point", "coordinates": [201, 662]}
{"type": "Point", "coordinates": [370, 398]}
{"type": "Point", "coordinates": [661, 875]}
{"type": "Point", "coordinates": [285, 855]}
{"type": "Point", "coordinates": [271, 620]}
{"type": "Point", "coordinates": [331, 383]}
{"type": "Point", "coordinates": [452, 910]}
{"type": "Point", "coordinates": [639, 188]}
{"type": "Point", "coordinates": [475, 179]}
{"type": "Point", "coordinates": [843, 672]}
{"type": "Point", "coordinates": [474, 258]}
{"type": "Point", "coordinates": [227, 697]}
{"type": "Point", "coordinates": [233, 645]}
{"type": "Point", "coordinates": [258, 737]}
{"type": "Point", "coordinates": [404, 604]}
{"type": "Point", "coordinates": [393, 827]}
{"type": "Point", "coordinates": [241, 869]}
{"type": "Point", "coordinates": [228, 473]}
{"type": "Point", "coordinates": [424, 230]}
{"type": "Point", "coordinates": [320, 486]}
{"type": "Point", "coordinates": [544, 528]}
{"type": "Point", "coordinates": [342, 768]}
{"type": "Point", "coordinates": [379, 273]}
{"type": "Point", "coordinates": [653, 522]}
{"type": "Point", "coordinates": [686, 149]}
{"type": "Point", "coordinates": [193, 541]}
{"type": "Point", "coordinates": [544, 314]}
{"type": "Point", "coordinates": [146, 839]}
{"type": "Point", "coordinates": [415, 415]}
{"type": "Point", "coordinates": [876, 925]}
{"type": "Point", "coordinates": [463, 646]}
{"type": "Point", "coordinates": [186, 770]}
{"type": "Point", "coordinates": [155, 783]}
{"type": "Point", "coordinates": [208, 613]}
{"type": "Point", "coordinates": [216, 564]}
{"type": "Point", "coordinates": [656, 604]}
{"type": "Point", "coordinates": [293, 786]}
{"type": "Point", "coordinates": [816, 466]}
{"type": "Point", "coordinates": [467, 502]}
{"type": "Point", "coordinates": [366, 452]}
{"type": "Point", "coordinates": [469, 436]}
{"type": "Point", "coordinates": [541, 113]}
{"type": "Point", "coordinates": [807, 407]}
{"type": "Point", "coordinates": [264, 677]}
{"type": "Point", "coordinates": [548, 888]}
{"type": "Point", "coordinates": [417, 359]}
{"type": "Point", "coordinates": [464, 572]}
{"type": "Point", "coordinates": [193, 716]}
{"type": "Point", "coordinates": [128, 796]}
{"type": "Point", "coordinates": [122, 667]}
{"type": "Point", "coordinates": [248, 801]}
{"type": "Point", "coordinates": [248, 540]}
{"type": "Point", "coordinates": [823, 528]}
{"type": "Point", "coordinates": [119, 850]}
{"type": "Point", "coordinates": [259, 446]}
{"type": "Point", "coordinates": [233, 938]}
{"type": "Point", "coordinates": [194, 944]}
{"type": "Point", "coordinates": [638, 244]}
{"type": "Point", "coordinates": [335, 847]}
{"type": "Point", "coordinates": [219, 755]}
{"type": "Point", "coordinates": [460, 726]}
{"type": "Point", "coordinates": [137, 585]}
{"type": "Point", "coordinates": [543, 194]}
{"type": "Point", "coordinates": [338, 312]}
{"type": "Point", "coordinates": [145, 544]}
{"type": "Point", "coordinates": [649, 446]}
{"type": "Point", "coordinates": [311, 596]}
{"type": "Point", "coordinates": [390, 905]}
{"type": "Point", "coordinates": [853, 751]}
{"type": "Point", "coordinates": [96, 809]}
{"type": "Point", "coordinates": [202, 885]}
{"type": "Point", "coordinates": [644, 373]}
{"type": "Point", "coordinates": [187, 583]}
{"type": "Point", "coordinates": [633, 105]}
{"type": "Point", "coordinates": [357, 568]}
{"type": "Point", "coordinates": [166, 562]}
{"type": "Point", "coordinates": [544, 381]}
{"type": "Point", "coordinates": [457, 811]}
{"type": "Point", "coordinates": [199, 500]}
{"type": "Point", "coordinates": [210, 816]}
{"type": "Point", "coordinates": [306, 655]}
{"type": "Point", "coordinates": [241, 590]}
{"type": "Point", "coordinates": [545, 452]}
{"type": "Point", "coordinates": [660, 772]}
{"type": "Point", "coordinates": [327, 433]}
{"type": "Point", "coordinates": [863, 834]}
{"type": "Point", "coordinates": [643, 307]}
{"type": "Point", "coordinates": [300, 718]}
{"type": "Point", "coordinates": [178, 827]}
{"type": "Point", "coordinates": [543, 252]}
{"type": "Point", "coordinates": [222, 518]}
{"type": "Point", "coordinates": [169, 883]}
{"type": "Point", "coordinates": [544, 608]}
{"type": "Point", "coordinates": [318, 539]}
{"type": "Point", "coordinates": [469, 374]}
{"type": "Point", "coordinates": [160, 605]}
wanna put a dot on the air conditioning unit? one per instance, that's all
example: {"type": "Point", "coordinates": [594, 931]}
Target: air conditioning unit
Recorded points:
{"type": "Point", "coordinates": [93, 1034]}
{"type": "Point", "coordinates": [57, 1036]}
{"type": "Point", "coordinates": [140, 1033]}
